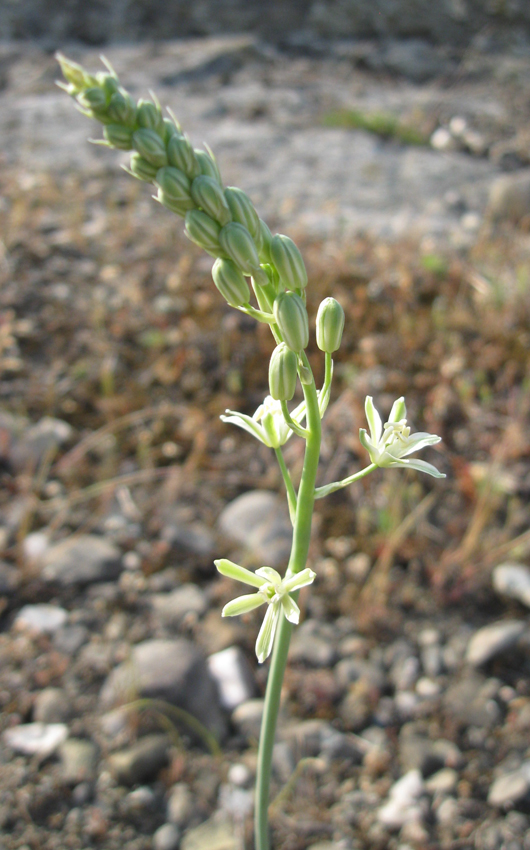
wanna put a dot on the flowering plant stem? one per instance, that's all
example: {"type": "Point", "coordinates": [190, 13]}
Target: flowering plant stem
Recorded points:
{"type": "Point", "coordinates": [297, 562]}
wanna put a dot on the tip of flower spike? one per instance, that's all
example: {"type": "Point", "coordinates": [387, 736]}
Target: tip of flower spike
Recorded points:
{"type": "Point", "coordinates": [108, 65]}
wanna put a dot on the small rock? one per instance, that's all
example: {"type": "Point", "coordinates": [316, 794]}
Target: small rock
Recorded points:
{"type": "Point", "coordinates": [233, 675]}
{"type": "Point", "coordinates": [492, 640]}
{"type": "Point", "coordinates": [79, 760]}
{"type": "Point", "coordinates": [180, 806]}
{"type": "Point", "coordinates": [510, 788]}
{"type": "Point", "coordinates": [194, 537]}
{"type": "Point", "coordinates": [313, 644]}
{"type": "Point", "coordinates": [42, 618]}
{"type": "Point", "coordinates": [513, 580]}
{"type": "Point", "coordinates": [258, 521]}
{"type": "Point", "coordinates": [442, 140]}
{"type": "Point", "coordinates": [247, 718]}
{"type": "Point", "coordinates": [470, 702]}
{"type": "Point", "coordinates": [69, 639]}
{"type": "Point", "coordinates": [34, 546]}
{"type": "Point", "coordinates": [442, 782]}
{"type": "Point", "coordinates": [36, 739]}
{"type": "Point", "coordinates": [167, 837]}
{"type": "Point", "coordinates": [38, 441]}
{"type": "Point", "coordinates": [213, 834]}
{"type": "Point", "coordinates": [174, 671]}
{"type": "Point", "coordinates": [9, 579]}
{"type": "Point", "coordinates": [83, 559]}
{"type": "Point", "coordinates": [141, 800]}
{"type": "Point", "coordinates": [509, 198]}
{"type": "Point", "coordinates": [402, 807]}
{"type": "Point", "coordinates": [51, 706]}
{"type": "Point", "coordinates": [172, 608]}
{"type": "Point", "coordinates": [140, 762]}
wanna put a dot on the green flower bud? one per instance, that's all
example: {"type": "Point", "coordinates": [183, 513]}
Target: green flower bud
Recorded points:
{"type": "Point", "coordinates": [118, 136]}
{"type": "Point", "coordinates": [73, 73]}
{"type": "Point", "coordinates": [122, 109]}
{"type": "Point", "coordinates": [181, 155]}
{"type": "Point", "coordinates": [230, 283]}
{"type": "Point", "coordinates": [149, 117]}
{"type": "Point", "coordinates": [150, 146]}
{"type": "Point", "coordinates": [175, 186]}
{"type": "Point", "coordinates": [169, 130]}
{"type": "Point", "coordinates": [209, 196]}
{"type": "Point", "coordinates": [108, 83]}
{"type": "Point", "coordinates": [93, 99]}
{"type": "Point", "coordinates": [330, 325]}
{"type": "Point", "coordinates": [178, 207]}
{"type": "Point", "coordinates": [208, 165]}
{"type": "Point", "coordinates": [288, 260]}
{"type": "Point", "coordinates": [283, 373]}
{"type": "Point", "coordinates": [243, 211]}
{"type": "Point", "coordinates": [265, 246]}
{"type": "Point", "coordinates": [204, 231]}
{"type": "Point", "coordinates": [237, 242]}
{"type": "Point", "coordinates": [291, 317]}
{"type": "Point", "coordinates": [142, 169]}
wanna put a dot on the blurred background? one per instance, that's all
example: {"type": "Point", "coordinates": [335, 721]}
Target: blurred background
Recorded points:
{"type": "Point", "coordinates": [391, 140]}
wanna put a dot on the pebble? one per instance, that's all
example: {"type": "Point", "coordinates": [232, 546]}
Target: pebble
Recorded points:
{"type": "Point", "coordinates": [186, 602]}
{"type": "Point", "coordinates": [51, 706]}
{"type": "Point", "coordinates": [510, 788]}
{"type": "Point", "coordinates": [9, 579]}
{"type": "Point", "coordinates": [42, 618]}
{"type": "Point", "coordinates": [180, 806]}
{"type": "Point", "coordinates": [233, 675]}
{"type": "Point", "coordinates": [258, 521]}
{"type": "Point", "coordinates": [192, 537]}
{"type": "Point", "coordinates": [140, 762]}
{"type": "Point", "coordinates": [313, 643]}
{"type": "Point", "coordinates": [38, 441]}
{"type": "Point", "coordinates": [513, 580]}
{"type": "Point", "coordinates": [174, 671]}
{"type": "Point", "coordinates": [442, 782]}
{"type": "Point", "coordinates": [492, 640]}
{"type": "Point", "coordinates": [247, 718]}
{"type": "Point", "coordinates": [402, 805]}
{"type": "Point", "coordinates": [83, 559]}
{"type": "Point", "coordinates": [213, 834]}
{"type": "Point", "coordinates": [470, 702]}
{"type": "Point", "coordinates": [69, 639]}
{"type": "Point", "coordinates": [36, 739]}
{"type": "Point", "coordinates": [79, 758]}
{"type": "Point", "coordinates": [509, 197]}
{"type": "Point", "coordinates": [166, 837]}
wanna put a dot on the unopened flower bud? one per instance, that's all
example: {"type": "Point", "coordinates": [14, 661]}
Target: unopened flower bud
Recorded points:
{"type": "Point", "coordinates": [72, 72]}
{"type": "Point", "coordinates": [291, 317]}
{"type": "Point", "coordinates": [283, 373]}
{"type": "Point", "coordinates": [204, 231]}
{"type": "Point", "coordinates": [237, 242]}
{"type": "Point", "coordinates": [142, 169]}
{"type": "Point", "coordinates": [93, 99]}
{"type": "Point", "coordinates": [330, 325]}
{"type": "Point", "coordinates": [208, 195]}
{"type": "Point", "coordinates": [150, 146]}
{"type": "Point", "coordinates": [288, 260]}
{"type": "Point", "coordinates": [265, 242]}
{"type": "Point", "coordinates": [170, 130]}
{"type": "Point", "coordinates": [208, 165]}
{"type": "Point", "coordinates": [122, 109]}
{"type": "Point", "coordinates": [242, 210]}
{"type": "Point", "coordinates": [108, 83]}
{"type": "Point", "coordinates": [181, 155]}
{"type": "Point", "coordinates": [118, 136]}
{"type": "Point", "coordinates": [175, 185]}
{"type": "Point", "coordinates": [230, 282]}
{"type": "Point", "coordinates": [149, 117]}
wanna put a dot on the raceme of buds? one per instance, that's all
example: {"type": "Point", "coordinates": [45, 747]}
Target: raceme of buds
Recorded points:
{"type": "Point", "coordinates": [74, 73]}
{"type": "Point", "coordinates": [204, 231]}
{"type": "Point", "coordinates": [150, 146]}
{"type": "Point", "coordinates": [230, 282]}
{"type": "Point", "coordinates": [291, 317]}
{"type": "Point", "coordinates": [237, 242]}
{"type": "Point", "coordinates": [118, 136]}
{"type": "Point", "coordinates": [283, 373]}
{"type": "Point", "coordinates": [175, 188]}
{"type": "Point", "coordinates": [181, 155]}
{"type": "Point", "coordinates": [143, 170]}
{"type": "Point", "coordinates": [289, 263]}
{"type": "Point", "coordinates": [330, 325]}
{"type": "Point", "coordinates": [93, 99]}
{"type": "Point", "coordinates": [149, 117]}
{"type": "Point", "coordinates": [208, 195]}
{"type": "Point", "coordinates": [243, 211]}
{"type": "Point", "coordinates": [122, 109]}
{"type": "Point", "coordinates": [208, 165]}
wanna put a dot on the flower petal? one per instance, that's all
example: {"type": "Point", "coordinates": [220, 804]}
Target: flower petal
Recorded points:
{"type": "Point", "coordinates": [242, 605]}
{"type": "Point", "coordinates": [270, 575]}
{"type": "Point", "coordinates": [374, 420]}
{"type": "Point", "coordinates": [301, 579]}
{"type": "Point", "coordinates": [418, 441]}
{"type": "Point", "coordinates": [266, 634]}
{"type": "Point", "coordinates": [290, 609]}
{"type": "Point", "coordinates": [368, 445]}
{"type": "Point", "coordinates": [247, 423]}
{"type": "Point", "coordinates": [228, 568]}
{"type": "Point", "coordinates": [399, 410]}
{"type": "Point", "coordinates": [422, 466]}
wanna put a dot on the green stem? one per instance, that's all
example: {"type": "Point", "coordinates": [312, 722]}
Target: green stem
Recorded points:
{"type": "Point", "coordinates": [297, 562]}
{"type": "Point", "coordinates": [294, 426]}
{"type": "Point", "coordinates": [323, 398]}
{"type": "Point", "coordinates": [291, 492]}
{"type": "Point", "coordinates": [320, 492]}
{"type": "Point", "coordinates": [259, 315]}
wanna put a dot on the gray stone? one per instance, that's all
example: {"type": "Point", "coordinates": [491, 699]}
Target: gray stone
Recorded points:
{"type": "Point", "coordinates": [213, 834]}
{"type": "Point", "coordinates": [141, 800]}
{"type": "Point", "coordinates": [417, 751]}
{"type": "Point", "coordinates": [36, 739]}
{"type": "Point", "coordinates": [492, 640]}
{"type": "Point", "coordinates": [402, 806]}
{"type": "Point", "coordinates": [314, 643]}
{"type": "Point", "coordinates": [39, 441]}
{"type": "Point", "coordinates": [513, 580]}
{"type": "Point", "coordinates": [444, 781]}
{"type": "Point", "coordinates": [258, 521]}
{"type": "Point", "coordinates": [509, 198]}
{"type": "Point", "coordinates": [412, 58]}
{"type": "Point", "coordinates": [233, 675]}
{"type": "Point", "coordinates": [83, 559]}
{"type": "Point", "coordinates": [9, 579]}
{"type": "Point", "coordinates": [247, 718]}
{"type": "Point", "coordinates": [195, 538]}
{"type": "Point", "coordinates": [174, 671]}
{"type": "Point", "coordinates": [51, 706]}
{"type": "Point", "coordinates": [180, 806]}
{"type": "Point", "coordinates": [79, 759]}
{"type": "Point", "coordinates": [469, 701]}
{"type": "Point", "coordinates": [42, 618]}
{"type": "Point", "coordinates": [69, 639]}
{"type": "Point", "coordinates": [140, 762]}
{"type": "Point", "coordinates": [510, 788]}
{"type": "Point", "coordinates": [172, 608]}
{"type": "Point", "coordinates": [166, 837]}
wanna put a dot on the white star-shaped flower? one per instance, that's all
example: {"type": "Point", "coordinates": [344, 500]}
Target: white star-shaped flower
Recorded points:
{"type": "Point", "coordinates": [390, 444]}
{"type": "Point", "coordinates": [271, 589]}
{"type": "Point", "coordinates": [267, 424]}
